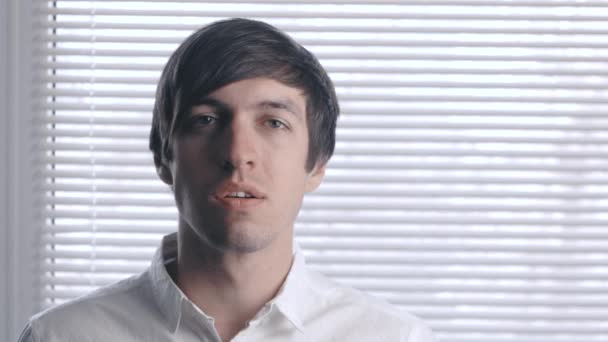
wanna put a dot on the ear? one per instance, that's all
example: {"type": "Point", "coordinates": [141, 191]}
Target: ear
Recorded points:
{"type": "Point", "coordinates": [315, 177]}
{"type": "Point", "coordinates": [164, 173]}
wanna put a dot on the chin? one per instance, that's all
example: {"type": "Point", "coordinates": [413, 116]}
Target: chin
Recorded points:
{"type": "Point", "coordinates": [242, 238]}
{"type": "Point", "coordinates": [249, 240]}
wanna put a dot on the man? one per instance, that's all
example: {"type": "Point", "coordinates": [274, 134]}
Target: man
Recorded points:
{"type": "Point", "coordinates": [243, 126]}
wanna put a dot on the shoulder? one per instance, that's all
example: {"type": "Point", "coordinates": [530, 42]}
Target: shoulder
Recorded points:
{"type": "Point", "coordinates": [373, 317]}
{"type": "Point", "coordinates": [98, 313]}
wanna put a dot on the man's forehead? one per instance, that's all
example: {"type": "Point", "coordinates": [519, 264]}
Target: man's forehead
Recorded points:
{"type": "Point", "coordinates": [256, 94]}
{"type": "Point", "coordinates": [279, 104]}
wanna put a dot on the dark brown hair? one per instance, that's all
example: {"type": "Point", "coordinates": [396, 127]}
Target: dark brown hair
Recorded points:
{"type": "Point", "coordinates": [236, 49]}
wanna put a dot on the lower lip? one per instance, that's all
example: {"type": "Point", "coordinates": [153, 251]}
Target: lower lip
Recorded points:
{"type": "Point", "coordinates": [238, 203]}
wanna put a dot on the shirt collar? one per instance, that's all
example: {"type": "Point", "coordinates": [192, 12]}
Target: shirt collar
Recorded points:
{"type": "Point", "coordinates": [291, 301]}
{"type": "Point", "coordinates": [292, 297]}
{"type": "Point", "coordinates": [166, 293]}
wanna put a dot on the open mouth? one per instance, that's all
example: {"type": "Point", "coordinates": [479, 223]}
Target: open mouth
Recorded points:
{"type": "Point", "coordinates": [239, 194]}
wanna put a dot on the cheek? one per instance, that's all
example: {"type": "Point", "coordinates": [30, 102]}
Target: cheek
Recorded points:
{"type": "Point", "coordinates": [187, 182]}
{"type": "Point", "coordinates": [191, 163]}
{"type": "Point", "coordinates": [292, 182]}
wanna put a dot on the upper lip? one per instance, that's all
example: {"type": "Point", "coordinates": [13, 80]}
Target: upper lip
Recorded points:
{"type": "Point", "coordinates": [227, 188]}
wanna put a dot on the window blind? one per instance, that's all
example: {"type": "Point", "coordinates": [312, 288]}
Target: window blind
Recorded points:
{"type": "Point", "coordinates": [469, 183]}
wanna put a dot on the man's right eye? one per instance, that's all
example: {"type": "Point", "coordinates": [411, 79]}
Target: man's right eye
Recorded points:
{"type": "Point", "coordinates": [205, 120]}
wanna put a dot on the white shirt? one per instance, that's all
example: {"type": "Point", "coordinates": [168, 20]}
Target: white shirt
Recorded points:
{"type": "Point", "coordinates": [150, 307]}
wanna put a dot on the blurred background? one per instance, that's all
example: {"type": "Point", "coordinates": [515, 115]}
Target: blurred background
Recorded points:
{"type": "Point", "coordinates": [468, 186]}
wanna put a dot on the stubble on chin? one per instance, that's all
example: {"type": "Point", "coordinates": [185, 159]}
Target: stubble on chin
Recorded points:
{"type": "Point", "coordinates": [235, 237]}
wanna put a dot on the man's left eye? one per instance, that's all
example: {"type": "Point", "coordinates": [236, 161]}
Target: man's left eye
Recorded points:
{"type": "Point", "coordinates": [273, 123]}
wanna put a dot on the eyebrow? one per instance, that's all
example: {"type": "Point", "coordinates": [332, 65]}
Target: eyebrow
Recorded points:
{"type": "Point", "coordinates": [211, 102]}
{"type": "Point", "coordinates": [283, 104]}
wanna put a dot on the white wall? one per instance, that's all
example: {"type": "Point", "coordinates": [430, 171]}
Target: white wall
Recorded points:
{"type": "Point", "coordinates": [4, 235]}
{"type": "Point", "coordinates": [17, 245]}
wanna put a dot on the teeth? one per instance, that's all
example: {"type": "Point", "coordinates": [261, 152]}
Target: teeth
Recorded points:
{"type": "Point", "coordinates": [240, 194]}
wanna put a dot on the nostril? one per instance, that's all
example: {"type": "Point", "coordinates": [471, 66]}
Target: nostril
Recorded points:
{"type": "Point", "coordinates": [228, 165]}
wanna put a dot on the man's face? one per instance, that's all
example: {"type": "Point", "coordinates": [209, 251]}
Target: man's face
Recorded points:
{"type": "Point", "coordinates": [238, 170]}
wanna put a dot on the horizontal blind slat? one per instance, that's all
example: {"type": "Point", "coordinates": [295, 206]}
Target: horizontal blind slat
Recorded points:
{"type": "Point", "coordinates": [377, 149]}
{"type": "Point", "coordinates": [538, 70]}
{"type": "Point", "coordinates": [342, 134]}
{"type": "Point", "coordinates": [372, 97]}
{"type": "Point", "coordinates": [361, 230]}
{"type": "Point", "coordinates": [139, 160]}
{"type": "Point", "coordinates": [96, 268]}
{"type": "Point", "coordinates": [386, 286]}
{"type": "Point", "coordinates": [353, 188]}
{"type": "Point", "coordinates": [363, 84]}
{"type": "Point", "coordinates": [347, 54]}
{"type": "Point", "coordinates": [510, 3]}
{"type": "Point", "coordinates": [365, 42]}
{"type": "Point", "coordinates": [355, 257]}
{"type": "Point", "coordinates": [382, 122]}
{"type": "Point", "coordinates": [372, 176]}
{"type": "Point", "coordinates": [306, 12]}
{"type": "Point", "coordinates": [345, 203]}
{"type": "Point", "coordinates": [416, 298]}
{"type": "Point", "coordinates": [452, 28]}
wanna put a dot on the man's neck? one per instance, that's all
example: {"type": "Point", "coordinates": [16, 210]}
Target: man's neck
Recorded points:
{"type": "Point", "coordinates": [231, 286]}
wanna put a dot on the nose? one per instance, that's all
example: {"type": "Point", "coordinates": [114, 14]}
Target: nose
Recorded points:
{"type": "Point", "coordinates": [240, 146]}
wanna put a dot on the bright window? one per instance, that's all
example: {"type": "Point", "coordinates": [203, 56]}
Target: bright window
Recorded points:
{"type": "Point", "coordinates": [469, 183]}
